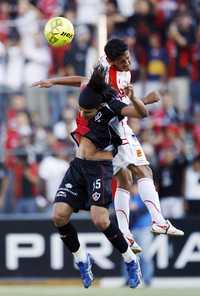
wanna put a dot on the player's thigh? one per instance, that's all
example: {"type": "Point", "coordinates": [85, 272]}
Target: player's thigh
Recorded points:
{"type": "Point", "coordinates": [100, 217]}
{"type": "Point", "coordinates": [140, 171]}
{"type": "Point", "coordinates": [61, 213]}
{"type": "Point", "coordinates": [124, 179]}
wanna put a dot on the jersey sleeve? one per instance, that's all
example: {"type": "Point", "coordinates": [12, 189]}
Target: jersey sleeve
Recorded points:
{"type": "Point", "coordinates": [116, 106]}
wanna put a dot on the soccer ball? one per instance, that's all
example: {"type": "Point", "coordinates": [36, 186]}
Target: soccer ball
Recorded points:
{"type": "Point", "coordinates": [59, 31]}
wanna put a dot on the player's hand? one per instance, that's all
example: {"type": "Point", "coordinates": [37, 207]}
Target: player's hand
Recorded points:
{"type": "Point", "coordinates": [129, 91]}
{"type": "Point", "coordinates": [152, 97]}
{"type": "Point", "coordinates": [43, 83]}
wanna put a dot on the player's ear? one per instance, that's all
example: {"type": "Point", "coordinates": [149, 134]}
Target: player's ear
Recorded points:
{"type": "Point", "coordinates": [108, 60]}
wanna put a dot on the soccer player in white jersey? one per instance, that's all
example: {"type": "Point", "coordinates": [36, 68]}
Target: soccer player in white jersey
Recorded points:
{"type": "Point", "coordinates": [130, 157]}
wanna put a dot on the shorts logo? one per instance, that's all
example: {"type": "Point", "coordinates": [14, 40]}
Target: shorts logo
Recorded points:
{"type": "Point", "coordinates": [61, 194]}
{"type": "Point", "coordinates": [96, 196]}
{"type": "Point", "coordinates": [139, 152]}
{"type": "Point", "coordinates": [68, 185]}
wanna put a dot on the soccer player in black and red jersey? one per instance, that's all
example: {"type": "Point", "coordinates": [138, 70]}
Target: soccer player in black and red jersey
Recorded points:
{"type": "Point", "coordinates": [87, 182]}
{"type": "Point", "coordinates": [130, 154]}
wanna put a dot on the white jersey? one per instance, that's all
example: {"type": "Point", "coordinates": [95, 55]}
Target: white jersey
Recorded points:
{"type": "Point", "coordinates": [130, 152]}
{"type": "Point", "coordinates": [119, 80]}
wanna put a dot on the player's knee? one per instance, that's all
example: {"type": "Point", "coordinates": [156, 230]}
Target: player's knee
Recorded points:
{"type": "Point", "coordinates": [60, 216]}
{"type": "Point", "coordinates": [100, 217]}
{"type": "Point", "coordinates": [124, 179]}
{"type": "Point", "coordinates": [101, 224]}
{"type": "Point", "coordinates": [100, 221]}
{"type": "Point", "coordinates": [58, 219]}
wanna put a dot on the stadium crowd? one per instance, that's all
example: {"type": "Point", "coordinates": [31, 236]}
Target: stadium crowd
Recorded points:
{"type": "Point", "coordinates": [35, 124]}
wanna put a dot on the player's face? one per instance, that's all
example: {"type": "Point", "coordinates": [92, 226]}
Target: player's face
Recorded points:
{"type": "Point", "coordinates": [123, 62]}
{"type": "Point", "coordinates": [88, 113]}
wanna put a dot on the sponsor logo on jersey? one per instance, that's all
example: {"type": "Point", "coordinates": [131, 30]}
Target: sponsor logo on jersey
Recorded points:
{"type": "Point", "coordinates": [139, 152]}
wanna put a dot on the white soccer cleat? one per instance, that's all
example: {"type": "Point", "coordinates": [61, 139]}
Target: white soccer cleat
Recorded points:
{"type": "Point", "coordinates": [166, 228]}
{"type": "Point", "coordinates": [133, 245]}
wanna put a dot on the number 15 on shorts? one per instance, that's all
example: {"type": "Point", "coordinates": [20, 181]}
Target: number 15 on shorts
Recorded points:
{"type": "Point", "coordinates": [97, 184]}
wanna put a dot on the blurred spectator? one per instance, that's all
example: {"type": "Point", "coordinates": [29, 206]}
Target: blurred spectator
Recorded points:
{"type": "Point", "coordinates": [143, 21]}
{"type": "Point", "coordinates": [13, 130]}
{"type": "Point", "coordinates": [78, 55]}
{"type": "Point", "coordinates": [170, 176]}
{"type": "Point", "coordinates": [51, 171]}
{"type": "Point", "coordinates": [27, 21]}
{"type": "Point", "coordinates": [140, 224]}
{"type": "Point", "coordinates": [26, 184]}
{"type": "Point", "coordinates": [3, 186]}
{"type": "Point", "coordinates": [63, 128]}
{"type": "Point", "coordinates": [167, 113]}
{"type": "Point", "coordinates": [168, 7]}
{"type": "Point", "coordinates": [37, 60]}
{"type": "Point", "coordinates": [88, 11]}
{"type": "Point", "coordinates": [157, 60]}
{"type": "Point", "coordinates": [192, 187]}
{"type": "Point", "coordinates": [113, 16]}
{"type": "Point", "coordinates": [5, 9]}
{"type": "Point", "coordinates": [3, 97]}
{"type": "Point", "coordinates": [195, 83]}
{"type": "Point", "coordinates": [37, 63]}
{"type": "Point", "coordinates": [2, 64]}
{"type": "Point", "coordinates": [196, 131]}
{"type": "Point", "coordinates": [15, 66]}
{"type": "Point", "coordinates": [126, 7]}
{"type": "Point", "coordinates": [181, 37]}
{"type": "Point", "coordinates": [49, 8]}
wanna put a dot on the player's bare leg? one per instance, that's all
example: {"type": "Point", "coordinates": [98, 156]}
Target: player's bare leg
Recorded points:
{"type": "Point", "coordinates": [61, 218]}
{"type": "Point", "coordinates": [122, 206]}
{"type": "Point", "coordinates": [100, 217]}
{"type": "Point", "coordinates": [150, 197]}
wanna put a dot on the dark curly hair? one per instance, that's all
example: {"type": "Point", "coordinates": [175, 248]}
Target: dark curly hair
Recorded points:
{"type": "Point", "coordinates": [114, 48]}
{"type": "Point", "coordinates": [97, 91]}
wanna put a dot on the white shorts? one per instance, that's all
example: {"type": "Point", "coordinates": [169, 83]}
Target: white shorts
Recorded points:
{"type": "Point", "coordinates": [129, 153]}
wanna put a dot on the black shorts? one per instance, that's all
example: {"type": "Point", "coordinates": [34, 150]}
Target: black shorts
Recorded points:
{"type": "Point", "coordinates": [86, 183]}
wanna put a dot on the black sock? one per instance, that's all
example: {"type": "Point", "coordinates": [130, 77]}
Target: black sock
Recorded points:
{"type": "Point", "coordinates": [116, 238]}
{"type": "Point", "coordinates": [69, 236]}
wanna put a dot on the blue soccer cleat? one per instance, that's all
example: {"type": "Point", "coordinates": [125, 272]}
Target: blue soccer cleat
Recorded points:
{"type": "Point", "coordinates": [134, 273]}
{"type": "Point", "coordinates": [86, 271]}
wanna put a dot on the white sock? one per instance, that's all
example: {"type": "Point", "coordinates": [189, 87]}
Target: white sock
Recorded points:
{"type": "Point", "coordinates": [129, 256]}
{"type": "Point", "coordinates": [80, 255]}
{"type": "Point", "coordinates": [150, 197]}
{"type": "Point", "coordinates": [122, 209]}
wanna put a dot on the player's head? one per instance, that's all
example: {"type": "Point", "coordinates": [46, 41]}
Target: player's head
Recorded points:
{"type": "Point", "coordinates": [117, 54]}
{"type": "Point", "coordinates": [96, 92]}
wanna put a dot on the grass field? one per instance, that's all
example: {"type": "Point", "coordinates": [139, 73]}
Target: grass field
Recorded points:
{"type": "Point", "coordinates": [76, 291]}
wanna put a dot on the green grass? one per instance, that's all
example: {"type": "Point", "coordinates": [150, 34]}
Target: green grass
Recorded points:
{"type": "Point", "coordinates": [76, 291]}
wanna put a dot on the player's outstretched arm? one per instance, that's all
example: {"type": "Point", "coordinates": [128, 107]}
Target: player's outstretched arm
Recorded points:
{"type": "Point", "coordinates": [138, 109]}
{"type": "Point", "coordinates": [65, 80]}
{"type": "Point", "coordinates": [152, 97]}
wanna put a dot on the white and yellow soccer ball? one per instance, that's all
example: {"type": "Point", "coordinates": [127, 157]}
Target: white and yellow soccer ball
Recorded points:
{"type": "Point", "coordinates": [59, 31]}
